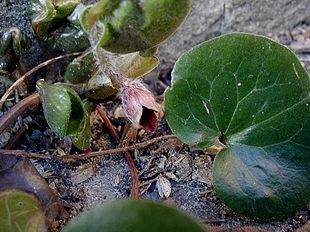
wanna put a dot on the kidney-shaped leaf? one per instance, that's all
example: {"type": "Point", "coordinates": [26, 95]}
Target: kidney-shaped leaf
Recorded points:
{"type": "Point", "coordinates": [134, 215]}
{"type": "Point", "coordinates": [254, 95]}
{"type": "Point", "coordinates": [64, 112]}
{"type": "Point", "coordinates": [21, 211]}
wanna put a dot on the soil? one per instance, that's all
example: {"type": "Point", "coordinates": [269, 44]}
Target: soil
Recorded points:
{"type": "Point", "coordinates": [169, 171]}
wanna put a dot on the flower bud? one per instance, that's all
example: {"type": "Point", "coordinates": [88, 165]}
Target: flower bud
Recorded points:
{"type": "Point", "coordinates": [140, 106]}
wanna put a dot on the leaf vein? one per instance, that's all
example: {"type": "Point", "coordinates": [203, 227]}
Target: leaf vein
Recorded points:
{"type": "Point", "coordinates": [272, 117]}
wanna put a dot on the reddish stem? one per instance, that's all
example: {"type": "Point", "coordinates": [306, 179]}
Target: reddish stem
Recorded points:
{"type": "Point", "coordinates": [108, 123]}
{"type": "Point", "coordinates": [132, 167]}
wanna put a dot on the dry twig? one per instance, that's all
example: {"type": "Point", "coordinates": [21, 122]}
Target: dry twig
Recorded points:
{"type": "Point", "coordinates": [16, 137]}
{"type": "Point", "coordinates": [118, 150]}
{"type": "Point", "coordinates": [13, 113]}
{"type": "Point", "coordinates": [23, 78]}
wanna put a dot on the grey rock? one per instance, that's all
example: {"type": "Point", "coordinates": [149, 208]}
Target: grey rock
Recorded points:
{"type": "Point", "coordinates": [209, 18]}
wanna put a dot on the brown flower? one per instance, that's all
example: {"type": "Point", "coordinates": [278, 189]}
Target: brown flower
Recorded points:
{"type": "Point", "coordinates": [140, 106]}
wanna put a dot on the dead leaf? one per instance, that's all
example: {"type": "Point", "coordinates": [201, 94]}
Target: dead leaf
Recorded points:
{"type": "Point", "coordinates": [163, 186]}
{"type": "Point", "coordinates": [7, 161]}
{"type": "Point", "coordinates": [82, 174]}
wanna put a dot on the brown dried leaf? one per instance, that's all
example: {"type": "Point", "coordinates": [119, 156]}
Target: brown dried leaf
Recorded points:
{"type": "Point", "coordinates": [82, 174]}
{"type": "Point", "coordinates": [163, 186]}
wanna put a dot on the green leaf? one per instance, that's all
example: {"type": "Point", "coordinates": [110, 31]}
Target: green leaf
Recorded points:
{"type": "Point", "coordinates": [82, 138]}
{"type": "Point", "coordinates": [47, 14]}
{"type": "Point", "coordinates": [12, 45]}
{"type": "Point", "coordinates": [134, 65]}
{"type": "Point", "coordinates": [80, 69]}
{"type": "Point", "coordinates": [57, 107]}
{"type": "Point", "coordinates": [252, 94]}
{"type": "Point", "coordinates": [65, 113]}
{"type": "Point", "coordinates": [131, 26]}
{"type": "Point", "coordinates": [69, 37]}
{"type": "Point", "coordinates": [100, 86]}
{"type": "Point", "coordinates": [134, 215]}
{"type": "Point", "coordinates": [21, 211]}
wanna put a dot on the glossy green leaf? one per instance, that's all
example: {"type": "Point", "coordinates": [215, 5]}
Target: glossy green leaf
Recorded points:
{"type": "Point", "coordinates": [21, 211]}
{"type": "Point", "coordinates": [69, 37]}
{"type": "Point", "coordinates": [81, 138]}
{"type": "Point", "coordinates": [131, 26]}
{"type": "Point", "coordinates": [57, 107]}
{"type": "Point", "coordinates": [12, 45]}
{"type": "Point", "coordinates": [81, 68]}
{"type": "Point", "coordinates": [254, 95]}
{"type": "Point", "coordinates": [134, 215]}
{"type": "Point", "coordinates": [47, 14]}
{"type": "Point", "coordinates": [65, 113]}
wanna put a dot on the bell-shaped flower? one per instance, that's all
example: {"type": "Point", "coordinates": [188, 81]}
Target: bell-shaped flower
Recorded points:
{"type": "Point", "coordinates": [140, 106]}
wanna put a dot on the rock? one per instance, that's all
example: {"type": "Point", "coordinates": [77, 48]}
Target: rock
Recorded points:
{"type": "Point", "coordinates": [301, 47]}
{"type": "Point", "coordinates": [209, 18]}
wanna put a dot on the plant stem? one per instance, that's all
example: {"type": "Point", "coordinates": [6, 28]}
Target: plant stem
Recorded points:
{"type": "Point", "coordinates": [24, 77]}
{"type": "Point", "coordinates": [16, 137]}
{"type": "Point", "coordinates": [19, 108]}
{"type": "Point", "coordinates": [132, 167]}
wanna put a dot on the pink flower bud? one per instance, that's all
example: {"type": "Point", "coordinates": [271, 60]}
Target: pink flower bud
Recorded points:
{"type": "Point", "coordinates": [140, 106]}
